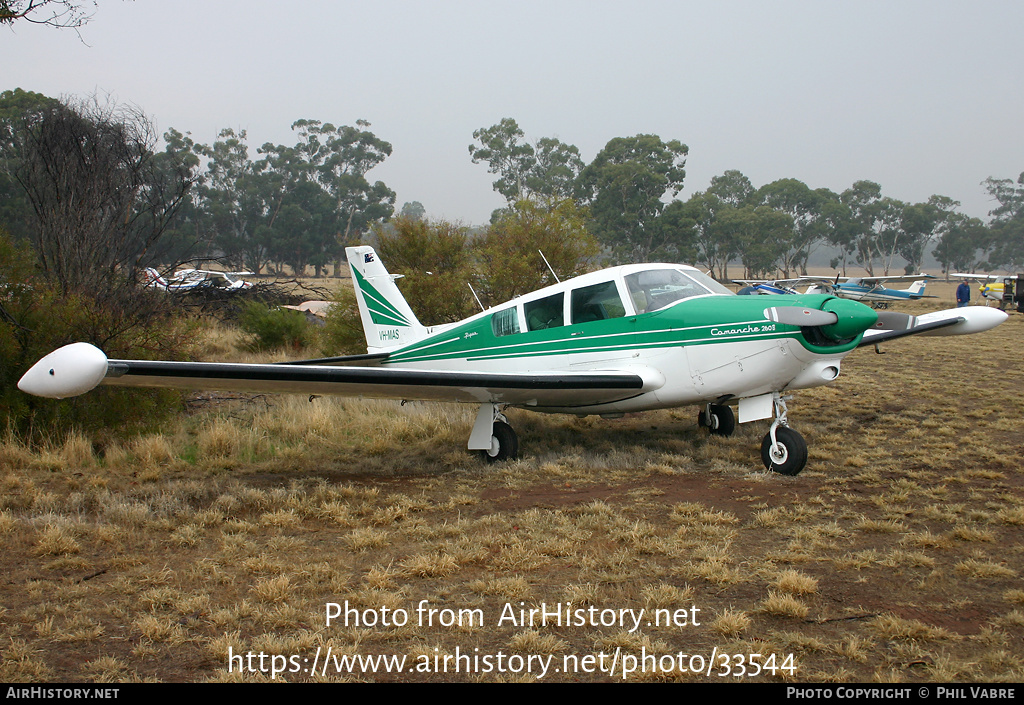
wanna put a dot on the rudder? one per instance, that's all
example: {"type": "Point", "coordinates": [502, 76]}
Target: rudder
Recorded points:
{"type": "Point", "coordinates": [388, 321]}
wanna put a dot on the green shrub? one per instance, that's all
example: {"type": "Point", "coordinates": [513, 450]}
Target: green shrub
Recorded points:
{"type": "Point", "coordinates": [36, 319]}
{"type": "Point", "coordinates": [270, 328]}
{"type": "Point", "coordinates": [342, 331]}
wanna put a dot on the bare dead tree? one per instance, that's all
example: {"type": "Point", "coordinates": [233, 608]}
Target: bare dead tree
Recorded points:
{"type": "Point", "coordinates": [62, 14]}
{"type": "Point", "coordinates": [101, 199]}
{"type": "Point", "coordinates": [101, 196]}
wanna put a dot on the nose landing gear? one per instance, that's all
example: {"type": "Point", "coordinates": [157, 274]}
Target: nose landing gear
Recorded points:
{"type": "Point", "coordinates": [783, 450]}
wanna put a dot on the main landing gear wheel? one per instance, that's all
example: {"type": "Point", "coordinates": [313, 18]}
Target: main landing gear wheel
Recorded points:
{"type": "Point", "coordinates": [718, 419]}
{"type": "Point", "coordinates": [788, 455]}
{"type": "Point", "coordinates": [504, 444]}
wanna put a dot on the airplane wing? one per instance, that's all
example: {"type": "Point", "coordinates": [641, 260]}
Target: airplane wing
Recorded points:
{"type": "Point", "coordinates": [892, 278]}
{"type": "Point", "coordinates": [752, 282]}
{"type": "Point", "coordinates": [79, 367]}
{"type": "Point", "coordinates": [991, 277]}
{"type": "Point", "coordinates": [954, 321]}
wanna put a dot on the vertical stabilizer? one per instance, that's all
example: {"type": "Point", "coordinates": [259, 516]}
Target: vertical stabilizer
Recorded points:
{"type": "Point", "coordinates": [388, 322]}
{"type": "Point", "coordinates": [917, 287]}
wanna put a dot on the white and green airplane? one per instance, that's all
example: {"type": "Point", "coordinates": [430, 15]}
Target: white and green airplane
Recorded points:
{"type": "Point", "coordinates": [625, 339]}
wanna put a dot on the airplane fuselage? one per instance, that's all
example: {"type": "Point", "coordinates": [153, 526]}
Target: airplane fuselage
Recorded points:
{"type": "Point", "coordinates": [705, 347]}
{"type": "Point", "coordinates": [862, 292]}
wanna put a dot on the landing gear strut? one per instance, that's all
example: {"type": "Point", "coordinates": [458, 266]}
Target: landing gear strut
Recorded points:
{"type": "Point", "coordinates": [783, 450]}
{"type": "Point", "coordinates": [492, 435]}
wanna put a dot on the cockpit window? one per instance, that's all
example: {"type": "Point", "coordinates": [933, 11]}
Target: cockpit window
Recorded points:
{"type": "Point", "coordinates": [545, 313]}
{"type": "Point", "coordinates": [657, 288]}
{"type": "Point", "coordinates": [596, 303]}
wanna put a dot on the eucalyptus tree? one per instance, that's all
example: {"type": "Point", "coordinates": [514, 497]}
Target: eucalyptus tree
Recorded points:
{"type": "Point", "coordinates": [235, 196]}
{"type": "Point", "coordinates": [507, 154]}
{"type": "Point", "coordinates": [1007, 223]}
{"type": "Point", "coordinates": [413, 209]}
{"type": "Point", "coordinates": [804, 207]}
{"type": "Point", "coordinates": [708, 243]}
{"type": "Point", "coordinates": [626, 186]}
{"type": "Point", "coordinates": [187, 234]}
{"type": "Point", "coordinates": [961, 243]}
{"type": "Point", "coordinates": [17, 109]}
{"type": "Point", "coordinates": [877, 220]}
{"type": "Point", "coordinates": [304, 230]}
{"type": "Point", "coordinates": [318, 187]}
{"type": "Point", "coordinates": [838, 226]}
{"type": "Point", "coordinates": [546, 170]}
{"type": "Point", "coordinates": [733, 188]}
{"type": "Point", "coordinates": [920, 224]}
{"type": "Point", "coordinates": [348, 154]}
{"type": "Point", "coordinates": [712, 249]}
{"type": "Point", "coordinates": [763, 236]}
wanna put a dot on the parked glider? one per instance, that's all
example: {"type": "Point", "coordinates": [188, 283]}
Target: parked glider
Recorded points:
{"type": "Point", "coordinates": [629, 338]}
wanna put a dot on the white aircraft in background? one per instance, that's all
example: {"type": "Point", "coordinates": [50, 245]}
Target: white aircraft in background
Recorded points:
{"type": "Point", "coordinates": [191, 279]}
{"type": "Point", "coordinates": [630, 338]}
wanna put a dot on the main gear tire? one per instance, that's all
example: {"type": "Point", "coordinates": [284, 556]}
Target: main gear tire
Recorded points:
{"type": "Point", "coordinates": [721, 422]}
{"type": "Point", "coordinates": [504, 444]}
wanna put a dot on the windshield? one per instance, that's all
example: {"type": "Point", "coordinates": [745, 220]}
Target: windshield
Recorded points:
{"type": "Point", "coordinates": [657, 288]}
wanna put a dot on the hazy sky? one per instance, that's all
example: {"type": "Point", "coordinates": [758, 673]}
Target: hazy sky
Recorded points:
{"type": "Point", "coordinates": [922, 97]}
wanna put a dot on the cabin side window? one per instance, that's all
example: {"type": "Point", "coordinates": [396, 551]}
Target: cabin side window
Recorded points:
{"type": "Point", "coordinates": [545, 313]}
{"type": "Point", "coordinates": [505, 322]}
{"type": "Point", "coordinates": [596, 303]}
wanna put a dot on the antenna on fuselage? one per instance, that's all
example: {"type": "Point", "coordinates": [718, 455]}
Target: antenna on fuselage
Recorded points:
{"type": "Point", "coordinates": [475, 296]}
{"type": "Point", "coordinates": [550, 269]}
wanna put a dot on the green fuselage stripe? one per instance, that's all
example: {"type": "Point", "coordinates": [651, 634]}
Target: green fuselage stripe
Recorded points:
{"type": "Point", "coordinates": [703, 321]}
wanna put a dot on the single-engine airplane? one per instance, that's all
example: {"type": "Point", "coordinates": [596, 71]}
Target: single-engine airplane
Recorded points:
{"type": "Point", "coordinates": [1001, 288]}
{"type": "Point", "coordinates": [629, 338]}
{"type": "Point", "coordinates": [869, 289]}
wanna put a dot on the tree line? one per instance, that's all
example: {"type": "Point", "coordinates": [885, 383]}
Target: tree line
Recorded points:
{"type": "Point", "coordinates": [630, 190]}
{"type": "Point", "coordinates": [298, 205]}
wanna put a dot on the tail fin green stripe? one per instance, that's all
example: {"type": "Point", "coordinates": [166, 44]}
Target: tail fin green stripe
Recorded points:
{"type": "Point", "coordinates": [381, 311]}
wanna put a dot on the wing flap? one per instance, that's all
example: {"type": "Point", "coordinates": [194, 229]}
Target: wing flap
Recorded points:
{"type": "Point", "coordinates": [439, 385]}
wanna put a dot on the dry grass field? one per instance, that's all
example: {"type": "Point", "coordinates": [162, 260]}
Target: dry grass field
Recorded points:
{"type": "Point", "coordinates": [896, 556]}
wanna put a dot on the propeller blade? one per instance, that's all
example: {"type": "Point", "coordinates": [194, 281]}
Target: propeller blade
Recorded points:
{"type": "Point", "coordinates": [797, 316]}
{"type": "Point", "coordinates": [894, 320]}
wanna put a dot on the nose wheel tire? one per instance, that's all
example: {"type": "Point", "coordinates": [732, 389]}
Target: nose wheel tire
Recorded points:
{"type": "Point", "coordinates": [718, 419]}
{"type": "Point", "coordinates": [788, 456]}
{"type": "Point", "coordinates": [504, 444]}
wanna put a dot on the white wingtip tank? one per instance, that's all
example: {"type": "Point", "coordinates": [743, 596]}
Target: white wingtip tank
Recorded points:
{"type": "Point", "coordinates": [66, 372]}
{"type": "Point", "coordinates": [975, 320]}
